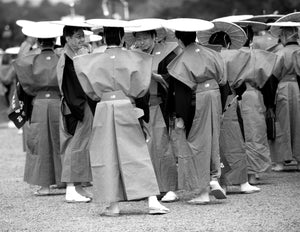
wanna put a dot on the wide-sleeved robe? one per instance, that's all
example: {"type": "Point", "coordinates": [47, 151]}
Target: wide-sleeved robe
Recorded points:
{"type": "Point", "coordinates": [286, 145]}
{"type": "Point", "coordinates": [256, 67]}
{"type": "Point", "coordinates": [75, 122]}
{"type": "Point", "coordinates": [120, 160]}
{"type": "Point", "coordinates": [159, 145]}
{"type": "Point", "coordinates": [197, 71]}
{"type": "Point", "coordinates": [37, 75]}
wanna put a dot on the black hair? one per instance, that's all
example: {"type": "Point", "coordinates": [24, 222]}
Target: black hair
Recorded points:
{"type": "Point", "coordinates": [49, 42]}
{"type": "Point", "coordinates": [150, 32]}
{"type": "Point", "coordinates": [113, 35]}
{"type": "Point", "coordinates": [249, 32]}
{"type": "Point", "coordinates": [187, 37]}
{"type": "Point", "coordinates": [70, 30]}
{"type": "Point", "coordinates": [220, 38]}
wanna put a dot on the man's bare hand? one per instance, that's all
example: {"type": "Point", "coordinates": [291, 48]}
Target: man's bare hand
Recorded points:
{"type": "Point", "coordinates": [158, 78]}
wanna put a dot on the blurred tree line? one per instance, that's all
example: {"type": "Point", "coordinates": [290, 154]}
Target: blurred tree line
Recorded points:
{"type": "Point", "coordinates": [10, 33]}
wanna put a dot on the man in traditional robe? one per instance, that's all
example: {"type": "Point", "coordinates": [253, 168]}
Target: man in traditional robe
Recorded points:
{"type": "Point", "coordinates": [77, 117]}
{"type": "Point", "coordinates": [286, 146]}
{"type": "Point", "coordinates": [160, 148]}
{"type": "Point", "coordinates": [232, 145]}
{"type": "Point", "coordinates": [121, 164]}
{"type": "Point", "coordinates": [37, 76]}
{"type": "Point", "coordinates": [196, 74]}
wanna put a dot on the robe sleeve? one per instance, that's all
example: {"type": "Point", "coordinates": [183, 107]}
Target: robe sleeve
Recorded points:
{"type": "Point", "coordinates": [264, 66]}
{"type": "Point", "coordinates": [143, 103]}
{"type": "Point", "coordinates": [183, 108]}
{"type": "Point", "coordinates": [278, 67]}
{"type": "Point", "coordinates": [72, 90]}
{"type": "Point", "coordinates": [80, 65]}
{"type": "Point", "coordinates": [24, 71]}
{"type": "Point", "coordinates": [179, 69]}
{"type": "Point", "coordinates": [296, 63]}
{"type": "Point", "coordinates": [269, 92]}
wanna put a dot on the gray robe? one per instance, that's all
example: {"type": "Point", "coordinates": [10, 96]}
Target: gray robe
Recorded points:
{"type": "Point", "coordinates": [37, 76]}
{"type": "Point", "coordinates": [159, 145]}
{"type": "Point", "coordinates": [74, 148]}
{"type": "Point", "coordinates": [121, 163]}
{"type": "Point", "coordinates": [286, 145]}
{"type": "Point", "coordinates": [201, 69]}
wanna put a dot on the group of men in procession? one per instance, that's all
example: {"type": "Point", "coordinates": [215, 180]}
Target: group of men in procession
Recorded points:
{"type": "Point", "coordinates": [160, 106]}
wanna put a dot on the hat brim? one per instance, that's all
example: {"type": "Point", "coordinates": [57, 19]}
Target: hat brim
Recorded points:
{"type": "Point", "coordinates": [96, 23]}
{"type": "Point", "coordinates": [12, 50]}
{"type": "Point", "coordinates": [188, 24]}
{"type": "Point", "coordinates": [43, 30]}
{"type": "Point", "coordinates": [256, 26]}
{"type": "Point", "coordinates": [237, 35]}
{"type": "Point", "coordinates": [234, 18]}
{"type": "Point", "coordinates": [23, 22]}
{"type": "Point", "coordinates": [146, 24]}
{"type": "Point", "coordinates": [265, 18]}
{"type": "Point", "coordinates": [73, 23]}
{"type": "Point", "coordinates": [293, 17]}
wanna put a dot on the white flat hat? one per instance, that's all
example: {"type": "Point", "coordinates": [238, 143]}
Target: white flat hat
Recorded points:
{"type": "Point", "coordinates": [93, 38]}
{"type": "Point", "coordinates": [107, 23]}
{"type": "Point", "coordinates": [234, 18]}
{"type": "Point", "coordinates": [23, 22]}
{"type": "Point", "coordinates": [293, 17]}
{"type": "Point", "coordinates": [188, 24]}
{"type": "Point", "coordinates": [256, 26]}
{"type": "Point", "coordinates": [12, 50]}
{"type": "Point", "coordinates": [146, 24]}
{"type": "Point", "coordinates": [237, 35]}
{"type": "Point", "coordinates": [73, 23]}
{"type": "Point", "coordinates": [43, 30]}
{"type": "Point", "coordinates": [285, 24]}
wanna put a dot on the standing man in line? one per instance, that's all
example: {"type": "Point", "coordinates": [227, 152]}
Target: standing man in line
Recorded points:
{"type": "Point", "coordinates": [37, 76]}
{"type": "Point", "coordinates": [77, 116]}
{"type": "Point", "coordinates": [196, 74]}
{"type": "Point", "coordinates": [121, 164]}
{"type": "Point", "coordinates": [286, 146]}
{"type": "Point", "coordinates": [159, 145]}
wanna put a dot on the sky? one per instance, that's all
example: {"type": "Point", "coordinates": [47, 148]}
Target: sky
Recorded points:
{"type": "Point", "coordinates": [37, 2]}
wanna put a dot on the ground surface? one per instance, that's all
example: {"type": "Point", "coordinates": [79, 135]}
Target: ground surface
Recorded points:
{"type": "Point", "coordinates": [275, 208]}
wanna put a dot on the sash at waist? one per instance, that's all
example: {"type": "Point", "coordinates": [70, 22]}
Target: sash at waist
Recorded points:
{"type": "Point", "coordinates": [48, 95]}
{"type": "Point", "coordinates": [115, 95]}
{"type": "Point", "coordinates": [289, 78]}
{"type": "Point", "coordinates": [207, 85]}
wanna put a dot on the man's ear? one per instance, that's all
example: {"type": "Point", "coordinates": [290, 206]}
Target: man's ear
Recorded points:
{"type": "Point", "coordinates": [68, 38]}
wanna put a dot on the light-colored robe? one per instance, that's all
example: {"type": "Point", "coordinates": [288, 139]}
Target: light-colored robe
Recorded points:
{"type": "Point", "coordinates": [201, 69]}
{"type": "Point", "coordinates": [74, 148]}
{"type": "Point", "coordinates": [37, 75]}
{"type": "Point", "coordinates": [255, 68]}
{"type": "Point", "coordinates": [286, 145]}
{"type": "Point", "coordinates": [121, 163]}
{"type": "Point", "coordinates": [159, 145]}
